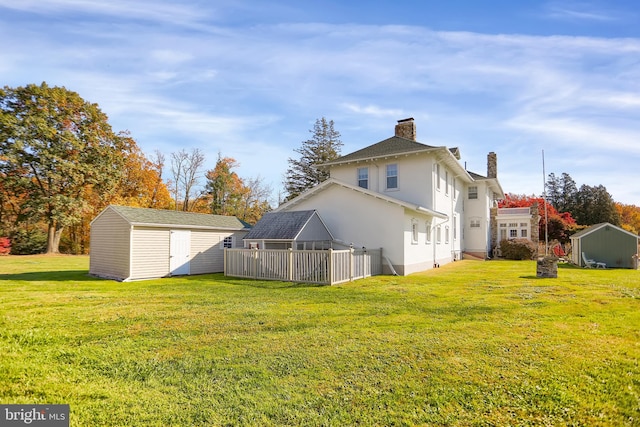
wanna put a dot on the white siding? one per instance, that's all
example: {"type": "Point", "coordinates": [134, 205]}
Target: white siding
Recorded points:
{"type": "Point", "coordinates": [150, 252]}
{"type": "Point", "coordinates": [109, 246]}
{"type": "Point", "coordinates": [477, 238]}
{"type": "Point", "coordinates": [414, 177]}
{"type": "Point", "coordinates": [351, 216]}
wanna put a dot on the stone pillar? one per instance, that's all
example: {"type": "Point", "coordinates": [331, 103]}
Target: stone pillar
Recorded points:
{"type": "Point", "coordinates": [493, 224]}
{"type": "Point", "coordinates": [535, 226]}
{"type": "Point", "coordinates": [547, 267]}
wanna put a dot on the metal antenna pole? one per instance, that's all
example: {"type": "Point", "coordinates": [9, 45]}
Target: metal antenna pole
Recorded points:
{"type": "Point", "coordinates": [546, 215]}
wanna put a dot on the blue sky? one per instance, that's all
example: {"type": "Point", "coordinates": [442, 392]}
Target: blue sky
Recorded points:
{"type": "Point", "coordinates": [249, 78]}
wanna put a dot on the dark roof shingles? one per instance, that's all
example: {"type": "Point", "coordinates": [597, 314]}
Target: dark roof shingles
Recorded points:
{"type": "Point", "coordinates": [280, 225]}
{"type": "Point", "coordinates": [388, 147]}
{"type": "Point", "coordinates": [168, 217]}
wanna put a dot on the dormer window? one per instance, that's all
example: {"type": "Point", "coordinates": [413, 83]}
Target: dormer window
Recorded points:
{"type": "Point", "coordinates": [363, 177]}
{"type": "Point", "coordinates": [392, 176]}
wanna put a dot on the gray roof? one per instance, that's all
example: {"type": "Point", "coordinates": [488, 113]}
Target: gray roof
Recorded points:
{"type": "Point", "coordinates": [595, 227]}
{"type": "Point", "coordinates": [280, 225]}
{"type": "Point", "coordinates": [476, 176]}
{"type": "Point", "coordinates": [388, 147]}
{"type": "Point", "coordinates": [145, 216]}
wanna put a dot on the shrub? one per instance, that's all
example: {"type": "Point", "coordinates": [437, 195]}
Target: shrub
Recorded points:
{"type": "Point", "coordinates": [518, 249]}
{"type": "Point", "coordinates": [5, 246]}
{"type": "Point", "coordinates": [28, 242]}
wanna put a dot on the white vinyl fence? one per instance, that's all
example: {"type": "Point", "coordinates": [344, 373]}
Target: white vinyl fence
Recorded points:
{"type": "Point", "coordinates": [325, 267]}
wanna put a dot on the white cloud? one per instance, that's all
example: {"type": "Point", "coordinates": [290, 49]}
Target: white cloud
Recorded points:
{"type": "Point", "coordinates": [253, 91]}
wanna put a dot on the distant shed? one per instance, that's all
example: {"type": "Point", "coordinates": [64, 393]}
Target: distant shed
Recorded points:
{"type": "Point", "coordinates": [289, 230]}
{"type": "Point", "coordinates": [606, 243]}
{"type": "Point", "coordinates": [135, 243]}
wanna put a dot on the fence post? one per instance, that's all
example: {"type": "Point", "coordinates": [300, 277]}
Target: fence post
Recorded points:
{"type": "Point", "coordinates": [330, 272]}
{"type": "Point", "coordinates": [254, 255]}
{"type": "Point", "coordinates": [351, 261]}
{"type": "Point", "coordinates": [290, 265]}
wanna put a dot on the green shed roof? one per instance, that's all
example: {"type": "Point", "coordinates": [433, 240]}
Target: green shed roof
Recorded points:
{"type": "Point", "coordinates": [145, 216]}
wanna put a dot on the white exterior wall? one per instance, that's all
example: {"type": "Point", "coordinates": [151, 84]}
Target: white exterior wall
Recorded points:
{"type": "Point", "coordinates": [418, 184]}
{"type": "Point", "coordinates": [477, 239]}
{"type": "Point", "coordinates": [149, 252]}
{"type": "Point", "coordinates": [423, 254]}
{"type": "Point", "coordinates": [356, 218]}
{"type": "Point", "coordinates": [414, 177]}
{"type": "Point", "coordinates": [110, 246]}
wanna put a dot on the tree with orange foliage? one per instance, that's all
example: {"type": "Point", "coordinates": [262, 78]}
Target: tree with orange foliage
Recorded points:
{"type": "Point", "coordinates": [629, 217]}
{"type": "Point", "coordinates": [230, 195]}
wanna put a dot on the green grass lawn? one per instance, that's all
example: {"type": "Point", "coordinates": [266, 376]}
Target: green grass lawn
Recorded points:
{"type": "Point", "coordinates": [472, 343]}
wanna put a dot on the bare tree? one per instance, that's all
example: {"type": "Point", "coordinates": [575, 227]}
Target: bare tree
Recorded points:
{"type": "Point", "coordinates": [185, 167]}
{"type": "Point", "coordinates": [255, 199]}
{"type": "Point", "coordinates": [158, 165]}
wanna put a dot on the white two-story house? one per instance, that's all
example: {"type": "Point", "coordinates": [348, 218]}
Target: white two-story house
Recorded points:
{"type": "Point", "coordinates": [415, 201]}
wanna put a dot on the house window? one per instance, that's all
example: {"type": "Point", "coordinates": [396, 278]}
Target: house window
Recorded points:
{"type": "Point", "coordinates": [473, 192]}
{"type": "Point", "coordinates": [392, 176]}
{"type": "Point", "coordinates": [438, 235]}
{"type": "Point", "coordinates": [414, 232]}
{"type": "Point", "coordinates": [523, 233]}
{"type": "Point", "coordinates": [363, 177]}
{"type": "Point", "coordinates": [454, 182]}
{"type": "Point", "coordinates": [446, 183]}
{"type": "Point", "coordinates": [227, 243]}
{"type": "Point", "coordinates": [446, 234]}
{"type": "Point", "coordinates": [475, 223]}
{"type": "Point", "coordinates": [513, 233]}
{"type": "Point", "coordinates": [438, 176]}
{"type": "Point", "coordinates": [427, 233]}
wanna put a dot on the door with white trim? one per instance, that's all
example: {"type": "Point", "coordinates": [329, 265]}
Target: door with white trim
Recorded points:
{"type": "Point", "coordinates": [179, 252]}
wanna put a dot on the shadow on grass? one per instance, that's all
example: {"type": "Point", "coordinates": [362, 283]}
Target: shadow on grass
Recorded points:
{"type": "Point", "coordinates": [561, 266]}
{"type": "Point", "coordinates": [262, 284]}
{"type": "Point", "coordinates": [51, 276]}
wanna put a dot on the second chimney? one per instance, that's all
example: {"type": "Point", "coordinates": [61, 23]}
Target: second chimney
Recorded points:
{"type": "Point", "coordinates": [406, 128]}
{"type": "Point", "coordinates": [492, 165]}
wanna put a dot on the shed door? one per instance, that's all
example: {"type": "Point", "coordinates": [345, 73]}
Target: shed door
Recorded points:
{"type": "Point", "coordinates": [180, 248]}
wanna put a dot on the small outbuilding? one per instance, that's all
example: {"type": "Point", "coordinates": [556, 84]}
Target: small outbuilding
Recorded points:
{"type": "Point", "coordinates": [130, 243]}
{"type": "Point", "coordinates": [300, 230]}
{"type": "Point", "coordinates": [605, 243]}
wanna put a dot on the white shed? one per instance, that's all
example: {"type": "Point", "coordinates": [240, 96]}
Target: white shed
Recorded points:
{"type": "Point", "coordinates": [135, 243]}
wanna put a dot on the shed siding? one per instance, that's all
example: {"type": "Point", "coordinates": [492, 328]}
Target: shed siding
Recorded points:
{"type": "Point", "coordinates": [110, 246]}
{"type": "Point", "coordinates": [207, 254]}
{"type": "Point", "coordinates": [150, 252]}
{"type": "Point", "coordinates": [611, 246]}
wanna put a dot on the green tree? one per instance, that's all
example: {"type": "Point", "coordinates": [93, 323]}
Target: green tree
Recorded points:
{"type": "Point", "coordinates": [57, 147]}
{"type": "Point", "coordinates": [595, 205]}
{"type": "Point", "coordinates": [323, 147]}
{"type": "Point", "coordinates": [561, 192]}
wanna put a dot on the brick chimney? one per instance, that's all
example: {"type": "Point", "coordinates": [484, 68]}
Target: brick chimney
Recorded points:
{"type": "Point", "coordinates": [406, 128]}
{"type": "Point", "coordinates": [492, 165]}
